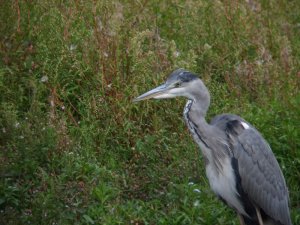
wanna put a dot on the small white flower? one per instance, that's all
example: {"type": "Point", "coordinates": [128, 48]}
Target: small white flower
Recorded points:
{"type": "Point", "coordinates": [259, 62]}
{"type": "Point", "coordinates": [63, 107]}
{"type": "Point", "coordinates": [21, 137]}
{"type": "Point", "coordinates": [44, 79]}
{"type": "Point", "coordinates": [109, 85]}
{"type": "Point", "coordinates": [207, 46]}
{"type": "Point", "coordinates": [177, 53]}
{"type": "Point", "coordinates": [17, 124]}
{"type": "Point", "coordinates": [197, 190]}
{"type": "Point", "coordinates": [196, 203]}
{"type": "Point", "coordinates": [191, 183]}
{"type": "Point", "coordinates": [73, 47]}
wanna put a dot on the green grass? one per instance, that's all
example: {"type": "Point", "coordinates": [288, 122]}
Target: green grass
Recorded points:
{"type": "Point", "coordinates": [76, 150]}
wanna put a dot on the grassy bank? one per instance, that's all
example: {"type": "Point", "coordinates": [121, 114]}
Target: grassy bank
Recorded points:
{"type": "Point", "coordinates": [76, 150]}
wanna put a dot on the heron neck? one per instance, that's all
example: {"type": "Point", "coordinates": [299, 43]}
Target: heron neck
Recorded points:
{"type": "Point", "coordinates": [195, 112]}
{"type": "Point", "coordinates": [199, 108]}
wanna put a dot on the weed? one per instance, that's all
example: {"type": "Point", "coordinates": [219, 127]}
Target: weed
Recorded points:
{"type": "Point", "coordinates": [76, 150]}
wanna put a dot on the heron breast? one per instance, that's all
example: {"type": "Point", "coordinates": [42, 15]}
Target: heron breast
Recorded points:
{"type": "Point", "coordinates": [224, 184]}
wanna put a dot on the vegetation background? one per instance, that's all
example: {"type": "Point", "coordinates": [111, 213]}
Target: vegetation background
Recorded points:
{"type": "Point", "coordinates": [76, 150]}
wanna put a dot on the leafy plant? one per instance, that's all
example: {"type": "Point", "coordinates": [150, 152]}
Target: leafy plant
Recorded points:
{"type": "Point", "coordinates": [76, 150]}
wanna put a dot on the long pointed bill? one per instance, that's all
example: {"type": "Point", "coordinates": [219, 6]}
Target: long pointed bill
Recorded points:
{"type": "Point", "coordinates": [154, 93]}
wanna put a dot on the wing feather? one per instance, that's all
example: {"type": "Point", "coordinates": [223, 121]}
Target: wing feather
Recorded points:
{"type": "Point", "coordinates": [261, 177]}
{"type": "Point", "coordinates": [266, 187]}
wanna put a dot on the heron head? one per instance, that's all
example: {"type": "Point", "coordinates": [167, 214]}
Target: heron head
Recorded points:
{"type": "Point", "coordinates": [179, 83]}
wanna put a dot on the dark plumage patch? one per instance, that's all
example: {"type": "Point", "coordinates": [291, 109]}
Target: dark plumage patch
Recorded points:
{"type": "Point", "coordinates": [249, 221]}
{"type": "Point", "coordinates": [187, 76]}
{"type": "Point", "coordinates": [234, 127]}
{"type": "Point", "coordinates": [248, 206]}
{"type": "Point", "coordinates": [182, 75]}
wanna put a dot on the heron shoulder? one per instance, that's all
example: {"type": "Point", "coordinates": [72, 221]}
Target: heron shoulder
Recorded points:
{"type": "Point", "coordinates": [230, 123]}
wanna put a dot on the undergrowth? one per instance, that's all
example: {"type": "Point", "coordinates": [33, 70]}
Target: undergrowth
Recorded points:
{"type": "Point", "coordinates": [76, 150]}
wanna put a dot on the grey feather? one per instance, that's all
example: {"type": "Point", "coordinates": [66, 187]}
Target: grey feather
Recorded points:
{"type": "Point", "coordinates": [259, 170]}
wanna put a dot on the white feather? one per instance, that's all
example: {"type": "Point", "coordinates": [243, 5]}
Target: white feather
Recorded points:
{"type": "Point", "coordinates": [245, 125]}
{"type": "Point", "coordinates": [224, 184]}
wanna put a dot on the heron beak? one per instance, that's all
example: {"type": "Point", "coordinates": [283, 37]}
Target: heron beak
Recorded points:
{"type": "Point", "coordinates": [154, 93]}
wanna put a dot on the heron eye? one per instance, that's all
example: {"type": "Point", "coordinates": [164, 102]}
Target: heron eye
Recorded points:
{"type": "Point", "coordinates": [177, 85]}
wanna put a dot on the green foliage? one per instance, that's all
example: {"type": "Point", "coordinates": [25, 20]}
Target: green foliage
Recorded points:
{"type": "Point", "coordinates": [74, 149]}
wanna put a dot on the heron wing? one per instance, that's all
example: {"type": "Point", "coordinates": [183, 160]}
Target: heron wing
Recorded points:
{"type": "Point", "coordinates": [259, 171]}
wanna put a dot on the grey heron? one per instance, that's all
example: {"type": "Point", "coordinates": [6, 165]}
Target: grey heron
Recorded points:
{"type": "Point", "coordinates": [240, 165]}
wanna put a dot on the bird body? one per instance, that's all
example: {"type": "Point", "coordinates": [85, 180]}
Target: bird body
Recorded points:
{"type": "Point", "coordinates": [218, 166]}
{"type": "Point", "coordinates": [240, 166]}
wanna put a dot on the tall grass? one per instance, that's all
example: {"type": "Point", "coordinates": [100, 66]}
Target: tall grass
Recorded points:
{"type": "Point", "coordinates": [75, 150]}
